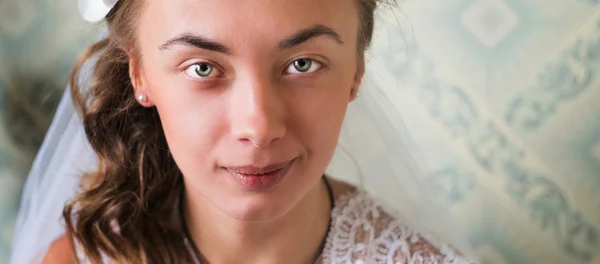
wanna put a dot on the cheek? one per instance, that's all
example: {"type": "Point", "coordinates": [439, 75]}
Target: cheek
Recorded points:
{"type": "Point", "coordinates": [318, 119]}
{"type": "Point", "coordinates": [191, 125]}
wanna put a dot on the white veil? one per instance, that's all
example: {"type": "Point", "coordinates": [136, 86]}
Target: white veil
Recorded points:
{"type": "Point", "coordinates": [374, 152]}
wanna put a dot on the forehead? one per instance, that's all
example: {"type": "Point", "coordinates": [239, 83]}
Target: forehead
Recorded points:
{"type": "Point", "coordinates": [246, 20]}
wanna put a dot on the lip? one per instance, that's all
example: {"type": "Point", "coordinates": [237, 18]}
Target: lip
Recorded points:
{"type": "Point", "coordinates": [258, 178]}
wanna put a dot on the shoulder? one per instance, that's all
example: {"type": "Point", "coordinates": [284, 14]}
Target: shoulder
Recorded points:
{"type": "Point", "coordinates": [60, 252]}
{"type": "Point", "coordinates": [362, 231]}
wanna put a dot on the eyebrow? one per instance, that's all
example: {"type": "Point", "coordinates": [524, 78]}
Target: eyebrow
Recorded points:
{"type": "Point", "coordinates": [294, 40]}
{"type": "Point", "coordinates": [195, 41]}
{"type": "Point", "coordinates": [307, 34]}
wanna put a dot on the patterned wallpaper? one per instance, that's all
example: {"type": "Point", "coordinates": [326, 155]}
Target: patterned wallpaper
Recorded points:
{"type": "Point", "coordinates": [502, 97]}
{"type": "Point", "coordinates": [39, 43]}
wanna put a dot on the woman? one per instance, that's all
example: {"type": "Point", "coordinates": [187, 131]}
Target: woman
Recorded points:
{"type": "Point", "coordinates": [213, 123]}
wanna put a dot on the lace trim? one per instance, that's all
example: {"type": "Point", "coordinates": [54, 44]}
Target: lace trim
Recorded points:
{"type": "Point", "coordinates": [362, 232]}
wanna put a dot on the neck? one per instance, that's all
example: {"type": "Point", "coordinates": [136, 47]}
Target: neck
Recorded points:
{"type": "Point", "coordinates": [296, 236]}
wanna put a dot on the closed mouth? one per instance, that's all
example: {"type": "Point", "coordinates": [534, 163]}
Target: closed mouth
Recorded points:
{"type": "Point", "coordinates": [251, 170]}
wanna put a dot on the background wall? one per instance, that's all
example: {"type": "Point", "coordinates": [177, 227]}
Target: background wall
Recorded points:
{"type": "Point", "coordinates": [39, 43]}
{"type": "Point", "coordinates": [503, 97]}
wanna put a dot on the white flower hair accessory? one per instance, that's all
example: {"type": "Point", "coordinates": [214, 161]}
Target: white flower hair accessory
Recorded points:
{"type": "Point", "coordinates": [95, 10]}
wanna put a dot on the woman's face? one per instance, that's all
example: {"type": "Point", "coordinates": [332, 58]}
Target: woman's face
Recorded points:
{"type": "Point", "coordinates": [251, 94]}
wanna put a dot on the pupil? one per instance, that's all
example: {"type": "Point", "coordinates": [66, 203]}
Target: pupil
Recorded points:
{"type": "Point", "coordinates": [203, 69]}
{"type": "Point", "coordinates": [303, 65]}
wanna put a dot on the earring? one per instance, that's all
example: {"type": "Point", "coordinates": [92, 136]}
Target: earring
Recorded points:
{"type": "Point", "coordinates": [142, 98]}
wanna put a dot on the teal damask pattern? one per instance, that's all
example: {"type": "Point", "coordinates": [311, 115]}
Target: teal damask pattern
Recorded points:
{"type": "Point", "coordinates": [571, 75]}
{"type": "Point", "coordinates": [453, 184]}
{"type": "Point", "coordinates": [460, 105]}
{"type": "Point", "coordinates": [545, 200]}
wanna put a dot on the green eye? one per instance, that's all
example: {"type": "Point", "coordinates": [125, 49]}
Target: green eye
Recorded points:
{"type": "Point", "coordinates": [301, 66]}
{"type": "Point", "coordinates": [203, 69]}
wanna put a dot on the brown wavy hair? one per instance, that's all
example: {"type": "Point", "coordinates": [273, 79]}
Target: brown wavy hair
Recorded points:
{"type": "Point", "coordinates": [125, 209]}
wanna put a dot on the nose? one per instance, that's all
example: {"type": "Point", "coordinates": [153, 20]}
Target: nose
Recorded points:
{"type": "Point", "coordinates": [257, 111]}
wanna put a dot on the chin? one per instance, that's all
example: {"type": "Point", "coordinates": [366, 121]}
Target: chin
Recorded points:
{"type": "Point", "coordinates": [264, 207]}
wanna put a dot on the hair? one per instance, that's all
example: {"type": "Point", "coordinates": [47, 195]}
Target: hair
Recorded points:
{"type": "Point", "coordinates": [125, 209]}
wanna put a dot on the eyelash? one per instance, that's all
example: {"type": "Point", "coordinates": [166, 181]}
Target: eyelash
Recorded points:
{"type": "Point", "coordinates": [192, 70]}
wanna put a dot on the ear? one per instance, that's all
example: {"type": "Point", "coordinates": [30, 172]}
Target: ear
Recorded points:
{"type": "Point", "coordinates": [358, 76]}
{"type": "Point", "coordinates": [136, 75]}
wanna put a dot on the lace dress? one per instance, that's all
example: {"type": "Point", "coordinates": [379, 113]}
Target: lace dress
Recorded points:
{"type": "Point", "coordinates": [362, 232]}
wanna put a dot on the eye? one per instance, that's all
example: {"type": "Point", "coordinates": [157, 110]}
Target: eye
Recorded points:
{"type": "Point", "coordinates": [301, 66]}
{"type": "Point", "coordinates": [201, 70]}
